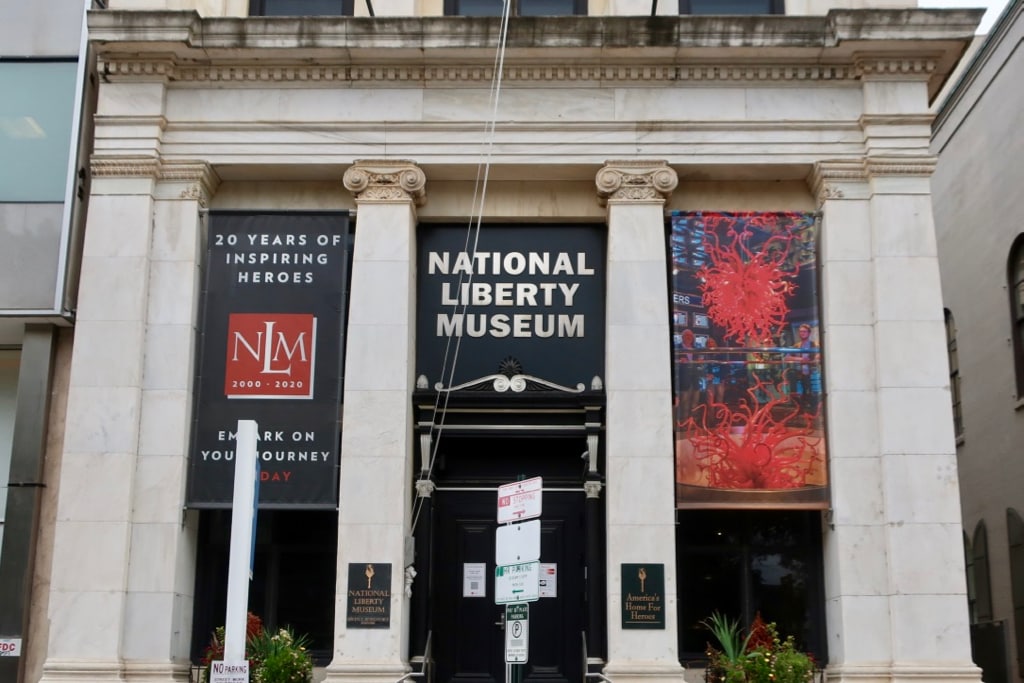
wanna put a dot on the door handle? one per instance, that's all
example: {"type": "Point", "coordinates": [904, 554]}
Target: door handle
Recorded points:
{"type": "Point", "coordinates": [501, 622]}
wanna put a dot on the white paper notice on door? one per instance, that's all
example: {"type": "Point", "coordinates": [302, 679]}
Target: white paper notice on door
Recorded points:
{"type": "Point", "coordinates": [548, 580]}
{"type": "Point", "coordinates": [474, 580]}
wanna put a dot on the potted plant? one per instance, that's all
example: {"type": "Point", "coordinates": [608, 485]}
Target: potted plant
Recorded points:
{"type": "Point", "coordinates": [760, 656]}
{"type": "Point", "coordinates": [280, 657]}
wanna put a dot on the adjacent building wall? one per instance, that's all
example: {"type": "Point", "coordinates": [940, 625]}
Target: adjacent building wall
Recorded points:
{"type": "Point", "coordinates": [978, 210]}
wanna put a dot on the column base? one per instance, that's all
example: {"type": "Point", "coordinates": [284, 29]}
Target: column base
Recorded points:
{"type": "Point", "coordinates": [365, 673]}
{"type": "Point", "coordinates": [93, 671]}
{"type": "Point", "coordinates": [634, 671]}
{"type": "Point", "coordinates": [157, 671]}
{"type": "Point", "coordinates": [82, 671]}
{"type": "Point", "coordinates": [902, 674]}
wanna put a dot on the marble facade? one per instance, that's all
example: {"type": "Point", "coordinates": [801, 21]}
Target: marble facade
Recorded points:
{"type": "Point", "coordinates": [601, 119]}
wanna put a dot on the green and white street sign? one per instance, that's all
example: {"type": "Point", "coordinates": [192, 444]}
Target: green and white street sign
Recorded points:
{"type": "Point", "coordinates": [517, 583]}
{"type": "Point", "coordinates": [517, 633]}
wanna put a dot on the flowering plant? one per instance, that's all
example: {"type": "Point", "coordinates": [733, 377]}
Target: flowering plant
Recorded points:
{"type": "Point", "coordinates": [280, 657]}
{"type": "Point", "coordinates": [761, 656]}
{"type": "Point", "coordinates": [283, 658]}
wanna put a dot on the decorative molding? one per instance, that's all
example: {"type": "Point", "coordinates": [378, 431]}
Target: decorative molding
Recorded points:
{"type": "Point", "coordinates": [911, 166]}
{"type": "Point", "coordinates": [200, 178]}
{"type": "Point", "coordinates": [826, 176]}
{"type": "Point", "coordinates": [124, 167]}
{"type": "Point", "coordinates": [424, 488]}
{"type": "Point", "coordinates": [385, 180]}
{"type": "Point", "coordinates": [517, 384]}
{"type": "Point", "coordinates": [164, 69]}
{"type": "Point", "coordinates": [894, 66]}
{"type": "Point", "coordinates": [592, 489]}
{"type": "Point", "coordinates": [627, 180]}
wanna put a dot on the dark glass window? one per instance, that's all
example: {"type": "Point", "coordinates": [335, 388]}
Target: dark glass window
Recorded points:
{"type": "Point", "coordinates": [744, 562]}
{"type": "Point", "coordinates": [1016, 282]}
{"type": "Point", "coordinates": [954, 374]}
{"type": "Point", "coordinates": [522, 8]}
{"type": "Point", "coordinates": [982, 588]}
{"type": "Point", "coordinates": [732, 7]}
{"type": "Point", "coordinates": [1015, 537]}
{"type": "Point", "coordinates": [293, 579]}
{"type": "Point", "coordinates": [300, 8]}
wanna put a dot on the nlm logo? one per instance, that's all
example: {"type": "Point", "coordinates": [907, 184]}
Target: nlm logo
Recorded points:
{"type": "Point", "coordinates": [270, 355]}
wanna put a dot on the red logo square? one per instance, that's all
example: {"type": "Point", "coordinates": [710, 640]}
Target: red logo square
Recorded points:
{"type": "Point", "coordinates": [270, 355]}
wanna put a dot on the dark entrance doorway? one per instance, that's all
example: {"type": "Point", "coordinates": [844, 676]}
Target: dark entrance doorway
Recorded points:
{"type": "Point", "coordinates": [469, 627]}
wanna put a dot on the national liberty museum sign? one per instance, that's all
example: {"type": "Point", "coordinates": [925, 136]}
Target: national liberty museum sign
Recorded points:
{"type": "Point", "coordinates": [531, 296]}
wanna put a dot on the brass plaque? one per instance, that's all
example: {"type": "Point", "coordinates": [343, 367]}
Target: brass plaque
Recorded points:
{"type": "Point", "coordinates": [369, 595]}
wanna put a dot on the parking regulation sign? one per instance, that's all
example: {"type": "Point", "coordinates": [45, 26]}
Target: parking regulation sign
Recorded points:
{"type": "Point", "coordinates": [517, 583]}
{"type": "Point", "coordinates": [517, 633]}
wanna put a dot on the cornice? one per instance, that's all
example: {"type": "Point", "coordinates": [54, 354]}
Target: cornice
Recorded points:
{"type": "Point", "coordinates": [199, 178]}
{"type": "Point", "coordinates": [635, 181]}
{"type": "Point", "coordinates": [262, 70]}
{"type": "Point", "coordinates": [847, 179]}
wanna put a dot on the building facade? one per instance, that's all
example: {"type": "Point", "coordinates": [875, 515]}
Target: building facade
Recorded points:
{"type": "Point", "coordinates": [977, 143]}
{"type": "Point", "coordinates": [495, 235]}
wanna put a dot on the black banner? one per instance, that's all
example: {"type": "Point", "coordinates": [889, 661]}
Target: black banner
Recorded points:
{"type": "Point", "coordinates": [271, 341]}
{"type": "Point", "coordinates": [527, 299]}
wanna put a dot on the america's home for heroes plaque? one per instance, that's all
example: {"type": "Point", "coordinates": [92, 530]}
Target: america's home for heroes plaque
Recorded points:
{"type": "Point", "coordinates": [643, 596]}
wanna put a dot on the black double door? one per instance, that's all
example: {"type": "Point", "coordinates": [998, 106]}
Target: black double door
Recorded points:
{"type": "Point", "coordinates": [468, 627]}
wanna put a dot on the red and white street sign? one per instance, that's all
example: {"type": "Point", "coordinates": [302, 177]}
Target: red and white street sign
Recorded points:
{"type": "Point", "coordinates": [519, 500]}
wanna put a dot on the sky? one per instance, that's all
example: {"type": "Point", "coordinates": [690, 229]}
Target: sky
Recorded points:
{"type": "Point", "coordinates": [994, 9]}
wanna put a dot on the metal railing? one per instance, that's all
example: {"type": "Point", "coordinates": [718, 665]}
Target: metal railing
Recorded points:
{"type": "Point", "coordinates": [587, 673]}
{"type": "Point", "coordinates": [426, 664]}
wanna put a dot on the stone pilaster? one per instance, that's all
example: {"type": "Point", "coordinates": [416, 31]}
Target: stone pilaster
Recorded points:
{"type": "Point", "coordinates": [927, 607]}
{"type": "Point", "coordinates": [855, 557]}
{"type": "Point", "coordinates": [894, 571]}
{"type": "Point", "coordinates": [161, 566]}
{"type": "Point", "coordinates": [93, 528]}
{"type": "Point", "coordinates": [376, 463]}
{"type": "Point", "coordinates": [640, 498]}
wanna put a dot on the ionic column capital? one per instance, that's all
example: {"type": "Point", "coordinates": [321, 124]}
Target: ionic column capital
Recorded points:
{"type": "Point", "coordinates": [386, 180]}
{"type": "Point", "coordinates": [635, 181]}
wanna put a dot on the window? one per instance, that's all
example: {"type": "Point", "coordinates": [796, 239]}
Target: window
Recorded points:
{"type": "Point", "coordinates": [1016, 283]}
{"type": "Point", "coordinates": [36, 114]}
{"type": "Point", "coordinates": [522, 8]}
{"type": "Point", "coordinates": [741, 562]}
{"type": "Point", "coordinates": [954, 374]}
{"type": "Point", "coordinates": [982, 588]}
{"type": "Point", "coordinates": [300, 8]}
{"type": "Point", "coordinates": [293, 578]}
{"type": "Point", "coordinates": [732, 7]}
{"type": "Point", "coordinates": [1015, 536]}
{"type": "Point", "coordinates": [9, 363]}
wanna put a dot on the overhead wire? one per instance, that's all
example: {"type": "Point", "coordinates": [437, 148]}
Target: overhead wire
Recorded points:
{"type": "Point", "coordinates": [470, 244]}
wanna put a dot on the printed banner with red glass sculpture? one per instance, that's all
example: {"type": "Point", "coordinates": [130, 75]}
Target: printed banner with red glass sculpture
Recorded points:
{"type": "Point", "coordinates": [748, 398]}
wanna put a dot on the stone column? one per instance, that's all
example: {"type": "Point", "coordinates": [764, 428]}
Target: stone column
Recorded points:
{"type": "Point", "coordinates": [640, 505]}
{"type": "Point", "coordinates": [161, 563]}
{"type": "Point", "coordinates": [376, 445]}
{"type": "Point", "coordinates": [93, 529]}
